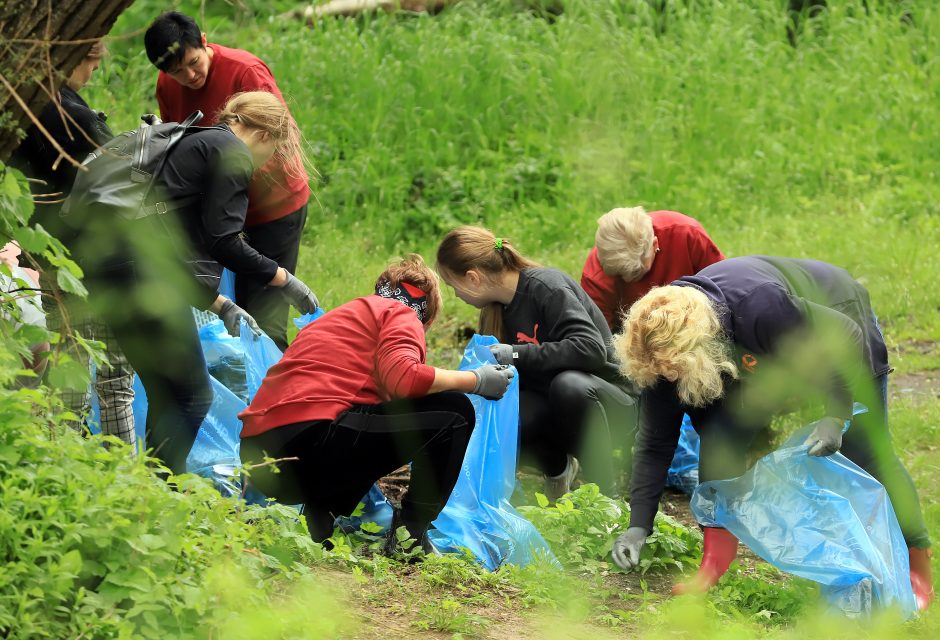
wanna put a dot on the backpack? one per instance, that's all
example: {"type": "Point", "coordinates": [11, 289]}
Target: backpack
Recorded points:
{"type": "Point", "coordinates": [120, 174]}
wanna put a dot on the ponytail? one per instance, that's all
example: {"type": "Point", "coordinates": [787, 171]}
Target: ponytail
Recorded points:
{"type": "Point", "coordinates": [475, 248]}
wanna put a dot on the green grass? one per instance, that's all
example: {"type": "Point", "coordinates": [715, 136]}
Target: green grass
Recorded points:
{"type": "Point", "coordinates": [491, 114]}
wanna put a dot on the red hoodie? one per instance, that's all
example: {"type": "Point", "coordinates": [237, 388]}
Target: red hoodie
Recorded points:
{"type": "Point", "coordinates": [685, 249]}
{"type": "Point", "coordinates": [367, 351]}
{"type": "Point", "coordinates": [273, 193]}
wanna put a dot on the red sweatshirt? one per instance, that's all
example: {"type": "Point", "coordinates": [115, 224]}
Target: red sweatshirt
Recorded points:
{"type": "Point", "coordinates": [367, 351]}
{"type": "Point", "coordinates": [273, 194]}
{"type": "Point", "coordinates": [685, 249]}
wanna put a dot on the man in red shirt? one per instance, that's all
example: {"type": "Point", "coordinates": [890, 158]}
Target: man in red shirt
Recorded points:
{"type": "Point", "coordinates": [197, 75]}
{"type": "Point", "coordinates": [635, 251]}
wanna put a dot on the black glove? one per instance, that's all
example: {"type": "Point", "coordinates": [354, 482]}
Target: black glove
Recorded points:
{"type": "Point", "coordinates": [826, 438]}
{"type": "Point", "coordinates": [504, 353]}
{"type": "Point", "coordinates": [232, 315]}
{"type": "Point", "coordinates": [492, 380]}
{"type": "Point", "coordinates": [299, 295]}
{"type": "Point", "coordinates": [627, 547]}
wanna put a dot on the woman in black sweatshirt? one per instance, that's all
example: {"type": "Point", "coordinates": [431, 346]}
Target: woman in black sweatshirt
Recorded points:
{"type": "Point", "coordinates": [738, 342]}
{"type": "Point", "coordinates": [572, 399]}
{"type": "Point", "coordinates": [136, 273]}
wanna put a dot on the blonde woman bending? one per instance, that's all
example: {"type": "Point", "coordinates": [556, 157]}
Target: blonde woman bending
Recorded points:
{"type": "Point", "coordinates": [734, 344]}
{"type": "Point", "coordinates": [139, 273]}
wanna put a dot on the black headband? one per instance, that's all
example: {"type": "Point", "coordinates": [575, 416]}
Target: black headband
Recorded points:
{"type": "Point", "coordinates": [407, 294]}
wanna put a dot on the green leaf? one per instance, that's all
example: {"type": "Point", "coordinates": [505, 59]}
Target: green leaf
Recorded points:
{"type": "Point", "coordinates": [370, 527]}
{"type": "Point", "coordinates": [70, 284]}
{"type": "Point", "coordinates": [32, 240]}
{"type": "Point", "coordinates": [541, 499]}
{"type": "Point", "coordinates": [69, 374]}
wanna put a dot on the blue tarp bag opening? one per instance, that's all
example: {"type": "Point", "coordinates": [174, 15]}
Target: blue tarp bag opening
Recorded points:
{"type": "Point", "coordinates": [683, 471]}
{"type": "Point", "coordinates": [821, 518]}
{"type": "Point", "coordinates": [478, 516]}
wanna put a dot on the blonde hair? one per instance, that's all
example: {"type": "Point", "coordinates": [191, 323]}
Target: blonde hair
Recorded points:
{"type": "Point", "coordinates": [674, 333]}
{"type": "Point", "coordinates": [475, 248]}
{"type": "Point", "coordinates": [263, 111]}
{"type": "Point", "coordinates": [624, 242]}
{"type": "Point", "coordinates": [413, 270]}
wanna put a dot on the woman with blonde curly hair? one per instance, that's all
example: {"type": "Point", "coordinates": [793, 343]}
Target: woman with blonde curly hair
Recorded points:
{"type": "Point", "coordinates": [352, 400]}
{"type": "Point", "coordinates": [735, 344]}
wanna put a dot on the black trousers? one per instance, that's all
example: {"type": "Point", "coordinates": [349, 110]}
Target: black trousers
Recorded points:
{"type": "Point", "coordinates": [725, 441]}
{"type": "Point", "coordinates": [280, 241]}
{"type": "Point", "coordinates": [339, 460]}
{"type": "Point", "coordinates": [158, 336]}
{"type": "Point", "coordinates": [581, 414]}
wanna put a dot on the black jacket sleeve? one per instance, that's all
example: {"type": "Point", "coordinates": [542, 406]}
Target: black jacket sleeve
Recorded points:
{"type": "Point", "coordinates": [771, 314]}
{"type": "Point", "coordinates": [225, 205]}
{"type": "Point", "coordinates": [573, 341]}
{"type": "Point", "coordinates": [656, 441]}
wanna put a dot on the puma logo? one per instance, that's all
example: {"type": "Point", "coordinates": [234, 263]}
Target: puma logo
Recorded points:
{"type": "Point", "coordinates": [522, 338]}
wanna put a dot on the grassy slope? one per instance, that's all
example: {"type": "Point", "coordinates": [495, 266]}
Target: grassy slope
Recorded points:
{"type": "Point", "coordinates": [535, 129]}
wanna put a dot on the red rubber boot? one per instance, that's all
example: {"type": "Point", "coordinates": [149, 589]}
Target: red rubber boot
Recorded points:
{"type": "Point", "coordinates": [921, 581]}
{"type": "Point", "coordinates": [721, 547]}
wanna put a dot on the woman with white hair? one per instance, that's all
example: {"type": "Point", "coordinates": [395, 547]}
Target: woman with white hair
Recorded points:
{"type": "Point", "coordinates": [635, 251]}
{"type": "Point", "coordinates": [735, 344]}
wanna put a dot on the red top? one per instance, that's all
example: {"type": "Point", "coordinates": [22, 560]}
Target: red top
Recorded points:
{"type": "Point", "coordinates": [367, 351]}
{"type": "Point", "coordinates": [685, 249]}
{"type": "Point", "coordinates": [273, 194]}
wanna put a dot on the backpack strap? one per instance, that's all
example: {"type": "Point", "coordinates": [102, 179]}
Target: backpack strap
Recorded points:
{"type": "Point", "coordinates": [159, 208]}
{"type": "Point", "coordinates": [193, 118]}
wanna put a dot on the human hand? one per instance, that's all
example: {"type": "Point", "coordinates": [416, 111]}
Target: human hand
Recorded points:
{"type": "Point", "coordinates": [504, 353]}
{"type": "Point", "coordinates": [492, 380]}
{"type": "Point", "coordinates": [299, 294]}
{"type": "Point", "coordinates": [627, 547]}
{"type": "Point", "coordinates": [826, 438]}
{"type": "Point", "coordinates": [232, 315]}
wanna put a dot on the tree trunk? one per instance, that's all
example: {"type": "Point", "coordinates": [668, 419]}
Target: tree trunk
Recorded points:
{"type": "Point", "coordinates": [41, 41]}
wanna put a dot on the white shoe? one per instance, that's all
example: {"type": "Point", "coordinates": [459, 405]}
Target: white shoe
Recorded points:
{"type": "Point", "coordinates": [557, 486]}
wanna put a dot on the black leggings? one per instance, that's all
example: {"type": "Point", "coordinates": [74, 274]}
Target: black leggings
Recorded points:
{"type": "Point", "coordinates": [157, 334]}
{"type": "Point", "coordinates": [725, 442]}
{"type": "Point", "coordinates": [339, 460]}
{"type": "Point", "coordinates": [579, 414]}
{"type": "Point", "coordinates": [280, 241]}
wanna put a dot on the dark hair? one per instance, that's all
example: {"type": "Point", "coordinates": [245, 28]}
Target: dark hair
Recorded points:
{"type": "Point", "coordinates": [168, 38]}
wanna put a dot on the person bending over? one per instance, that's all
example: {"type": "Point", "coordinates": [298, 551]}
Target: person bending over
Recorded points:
{"type": "Point", "coordinates": [78, 130]}
{"type": "Point", "coordinates": [198, 75]}
{"type": "Point", "coordinates": [572, 398]}
{"type": "Point", "coordinates": [635, 251]}
{"type": "Point", "coordinates": [139, 280]}
{"type": "Point", "coordinates": [353, 399]}
{"type": "Point", "coordinates": [731, 346]}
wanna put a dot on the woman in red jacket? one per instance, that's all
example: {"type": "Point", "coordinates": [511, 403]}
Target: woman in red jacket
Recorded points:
{"type": "Point", "coordinates": [352, 400]}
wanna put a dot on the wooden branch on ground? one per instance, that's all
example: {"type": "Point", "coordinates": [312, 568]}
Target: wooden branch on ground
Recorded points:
{"type": "Point", "coordinates": [348, 8]}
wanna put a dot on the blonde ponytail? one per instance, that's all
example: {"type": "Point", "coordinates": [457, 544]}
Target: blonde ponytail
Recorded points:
{"type": "Point", "coordinates": [263, 111]}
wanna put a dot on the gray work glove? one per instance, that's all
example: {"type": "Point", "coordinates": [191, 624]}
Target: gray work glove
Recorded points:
{"type": "Point", "coordinates": [504, 353]}
{"type": "Point", "coordinates": [627, 547]}
{"type": "Point", "coordinates": [232, 315]}
{"type": "Point", "coordinates": [826, 438]}
{"type": "Point", "coordinates": [492, 380]}
{"type": "Point", "coordinates": [299, 295]}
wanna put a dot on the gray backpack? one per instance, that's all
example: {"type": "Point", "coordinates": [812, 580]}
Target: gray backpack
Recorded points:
{"type": "Point", "coordinates": [119, 175]}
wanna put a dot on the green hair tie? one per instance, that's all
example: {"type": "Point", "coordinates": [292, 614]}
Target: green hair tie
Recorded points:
{"type": "Point", "coordinates": [499, 244]}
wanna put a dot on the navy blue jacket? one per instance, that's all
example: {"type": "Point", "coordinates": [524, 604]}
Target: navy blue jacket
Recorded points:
{"type": "Point", "coordinates": [761, 301]}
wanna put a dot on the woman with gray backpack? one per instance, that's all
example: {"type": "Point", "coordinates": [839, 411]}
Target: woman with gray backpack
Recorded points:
{"type": "Point", "coordinates": [158, 214]}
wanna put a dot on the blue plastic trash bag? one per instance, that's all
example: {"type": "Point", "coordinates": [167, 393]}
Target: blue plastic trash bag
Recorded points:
{"type": "Point", "coordinates": [227, 284]}
{"type": "Point", "coordinates": [225, 357]}
{"type": "Point", "coordinates": [683, 471]}
{"type": "Point", "coordinates": [821, 518]}
{"type": "Point", "coordinates": [376, 509]}
{"type": "Point", "coordinates": [478, 515]}
{"type": "Point", "coordinates": [307, 318]}
{"type": "Point", "coordinates": [260, 354]}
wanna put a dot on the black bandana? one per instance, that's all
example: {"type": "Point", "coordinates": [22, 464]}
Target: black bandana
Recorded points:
{"type": "Point", "coordinates": [406, 294]}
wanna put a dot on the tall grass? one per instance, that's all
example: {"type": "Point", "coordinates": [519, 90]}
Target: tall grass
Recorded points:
{"type": "Point", "coordinates": [493, 115]}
